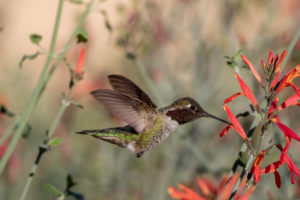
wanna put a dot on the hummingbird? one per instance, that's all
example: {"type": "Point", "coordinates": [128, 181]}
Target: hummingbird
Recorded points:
{"type": "Point", "coordinates": [148, 125]}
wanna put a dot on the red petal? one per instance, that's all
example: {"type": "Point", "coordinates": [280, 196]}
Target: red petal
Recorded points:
{"type": "Point", "coordinates": [80, 61]}
{"type": "Point", "coordinates": [187, 194]}
{"type": "Point", "coordinates": [257, 174]}
{"type": "Point", "coordinates": [274, 81]}
{"type": "Point", "coordinates": [277, 179]}
{"type": "Point", "coordinates": [229, 187]}
{"type": "Point", "coordinates": [271, 168]}
{"type": "Point", "coordinates": [254, 72]}
{"type": "Point", "coordinates": [246, 91]}
{"type": "Point", "coordinates": [231, 98]}
{"type": "Point", "coordinates": [287, 131]}
{"type": "Point", "coordinates": [292, 168]}
{"type": "Point", "coordinates": [263, 64]}
{"type": "Point", "coordinates": [235, 123]}
{"type": "Point", "coordinates": [289, 102]}
{"type": "Point", "coordinates": [277, 68]}
{"type": "Point", "coordinates": [205, 186]}
{"type": "Point", "coordinates": [296, 89]}
{"type": "Point", "coordinates": [287, 80]}
{"type": "Point", "coordinates": [285, 150]}
{"type": "Point", "coordinates": [224, 131]}
{"type": "Point", "coordinates": [270, 57]}
{"type": "Point", "coordinates": [273, 106]}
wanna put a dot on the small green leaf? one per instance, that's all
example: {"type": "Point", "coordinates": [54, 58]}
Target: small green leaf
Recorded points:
{"type": "Point", "coordinates": [30, 57]}
{"type": "Point", "coordinates": [70, 182]}
{"type": "Point", "coordinates": [55, 142]}
{"type": "Point", "coordinates": [236, 55]}
{"type": "Point", "coordinates": [52, 189]}
{"type": "Point", "coordinates": [82, 36]}
{"type": "Point", "coordinates": [35, 38]}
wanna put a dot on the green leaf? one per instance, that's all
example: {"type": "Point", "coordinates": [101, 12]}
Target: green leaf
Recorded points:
{"type": "Point", "coordinates": [52, 189]}
{"type": "Point", "coordinates": [35, 38]}
{"type": "Point", "coordinates": [70, 182]}
{"type": "Point", "coordinates": [236, 55]}
{"type": "Point", "coordinates": [55, 142]}
{"type": "Point", "coordinates": [82, 36]}
{"type": "Point", "coordinates": [30, 57]}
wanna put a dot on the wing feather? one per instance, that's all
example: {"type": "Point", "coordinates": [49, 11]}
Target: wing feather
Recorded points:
{"type": "Point", "coordinates": [126, 86]}
{"type": "Point", "coordinates": [127, 108]}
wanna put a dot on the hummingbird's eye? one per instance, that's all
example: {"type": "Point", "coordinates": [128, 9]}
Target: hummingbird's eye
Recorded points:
{"type": "Point", "coordinates": [192, 107]}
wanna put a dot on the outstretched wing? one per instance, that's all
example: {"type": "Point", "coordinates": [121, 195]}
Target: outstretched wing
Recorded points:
{"type": "Point", "coordinates": [126, 86]}
{"type": "Point", "coordinates": [128, 109]}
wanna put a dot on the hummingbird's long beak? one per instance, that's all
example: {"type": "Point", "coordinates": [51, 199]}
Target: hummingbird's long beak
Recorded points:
{"type": "Point", "coordinates": [217, 118]}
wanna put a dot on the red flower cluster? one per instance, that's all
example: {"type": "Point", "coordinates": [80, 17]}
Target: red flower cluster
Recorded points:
{"type": "Point", "coordinates": [272, 87]}
{"type": "Point", "coordinates": [210, 191]}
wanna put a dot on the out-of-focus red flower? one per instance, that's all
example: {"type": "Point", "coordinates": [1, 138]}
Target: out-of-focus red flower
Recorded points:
{"type": "Point", "coordinates": [80, 62]}
{"type": "Point", "coordinates": [14, 163]}
{"type": "Point", "coordinates": [210, 191]}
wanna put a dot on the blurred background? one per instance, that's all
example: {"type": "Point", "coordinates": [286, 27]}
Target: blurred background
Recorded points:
{"type": "Point", "coordinates": [180, 45]}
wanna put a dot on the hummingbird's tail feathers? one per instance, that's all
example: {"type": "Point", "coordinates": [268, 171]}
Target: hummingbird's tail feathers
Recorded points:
{"type": "Point", "coordinates": [120, 136]}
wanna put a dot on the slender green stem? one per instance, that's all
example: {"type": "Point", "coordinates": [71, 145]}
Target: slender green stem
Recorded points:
{"type": "Point", "coordinates": [148, 81]}
{"type": "Point", "coordinates": [44, 79]}
{"type": "Point", "coordinates": [9, 131]}
{"type": "Point", "coordinates": [44, 147]}
{"type": "Point", "coordinates": [36, 94]}
{"type": "Point", "coordinates": [291, 47]}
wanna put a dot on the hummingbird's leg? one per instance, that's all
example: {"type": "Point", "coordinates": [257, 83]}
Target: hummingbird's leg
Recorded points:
{"type": "Point", "coordinates": [139, 154]}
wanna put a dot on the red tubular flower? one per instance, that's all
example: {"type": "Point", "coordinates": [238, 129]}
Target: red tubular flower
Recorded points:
{"type": "Point", "coordinates": [186, 194]}
{"type": "Point", "coordinates": [210, 191]}
{"type": "Point", "coordinates": [246, 91]}
{"type": "Point", "coordinates": [293, 100]}
{"type": "Point", "coordinates": [80, 62]}
{"type": "Point", "coordinates": [235, 124]}
{"type": "Point", "coordinates": [249, 64]}
{"type": "Point", "coordinates": [286, 81]}
{"type": "Point", "coordinates": [277, 179]}
{"type": "Point", "coordinates": [256, 166]}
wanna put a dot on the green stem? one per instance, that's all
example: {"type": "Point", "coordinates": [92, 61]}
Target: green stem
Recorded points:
{"type": "Point", "coordinates": [148, 81]}
{"type": "Point", "coordinates": [290, 48]}
{"type": "Point", "coordinates": [44, 147]}
{"type": "Point", "coordinates": [36, 94]}
{"type": "Point", "coordinates": [44, 79]}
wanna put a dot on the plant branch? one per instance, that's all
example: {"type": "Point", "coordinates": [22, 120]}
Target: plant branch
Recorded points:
{"type": "Point", "coordinates": [36, 94]}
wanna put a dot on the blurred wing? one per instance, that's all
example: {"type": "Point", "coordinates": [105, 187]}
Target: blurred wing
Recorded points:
{"type": "Point", "coordinates": [126, 86]}
{"type": "Point", "coordinates": [128, 109]}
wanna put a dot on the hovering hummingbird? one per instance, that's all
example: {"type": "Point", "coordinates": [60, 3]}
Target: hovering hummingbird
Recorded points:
{"type": "Point", "coordinates": [147, 124]}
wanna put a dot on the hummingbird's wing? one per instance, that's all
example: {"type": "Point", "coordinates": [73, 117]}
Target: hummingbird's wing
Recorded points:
{"type": "Point", "coordinates": [126, 86]}
{"type": "Point", "coordinates": [128, 109]}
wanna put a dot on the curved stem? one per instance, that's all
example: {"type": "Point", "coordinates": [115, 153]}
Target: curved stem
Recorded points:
{"type": "Point", "coordinates": [36, 94]}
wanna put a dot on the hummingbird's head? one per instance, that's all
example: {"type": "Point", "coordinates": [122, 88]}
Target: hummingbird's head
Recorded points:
{"type": "Point", "coordinates": [186, 109]}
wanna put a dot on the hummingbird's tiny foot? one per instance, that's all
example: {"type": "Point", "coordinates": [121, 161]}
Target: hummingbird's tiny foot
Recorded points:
{"type": "Point", "coordinates": [139, 154]}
